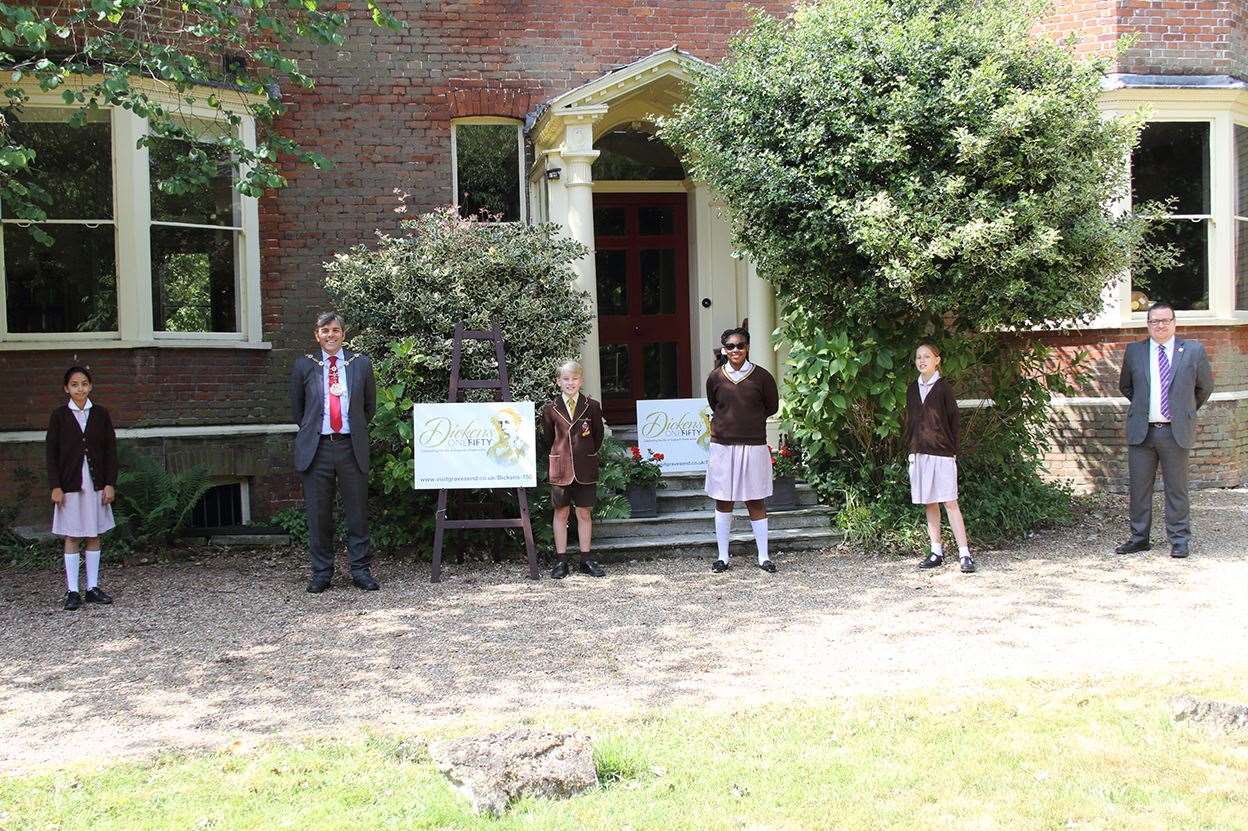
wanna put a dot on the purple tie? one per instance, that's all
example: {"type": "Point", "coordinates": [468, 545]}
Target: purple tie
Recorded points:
{"type": "Point", "coordinates": [1163, 370]}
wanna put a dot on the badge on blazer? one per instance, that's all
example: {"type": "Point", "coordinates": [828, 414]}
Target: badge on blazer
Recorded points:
{"type": "Point", "coordinates": [585, 428]}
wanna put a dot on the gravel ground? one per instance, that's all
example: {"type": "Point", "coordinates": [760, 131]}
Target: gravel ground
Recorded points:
{"type": "Point", "coordinates": [230, 648]}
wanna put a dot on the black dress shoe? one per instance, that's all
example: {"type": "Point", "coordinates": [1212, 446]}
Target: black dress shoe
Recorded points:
{"type": "Point", "coordinates": [1178, 551]}
{"type": "Point", "coordinates": [1132, 547]}
{"type": "Point", "coordinates": [97, 595]}
{"type": "Point", "coordinates": [967, 564]}
{"type": "Point", "coordinates": [318, 585]}
{"type": "Point", "coordinates": [719, 566]}
{"type": "Point", "coordinates": [932, 561]}
{"type": "Point", "coordinates": [768, 566]}
{"type": "Point", "coordinates": [73, 601]}
{"type": "Point", "coordinates": [365, 581]}
{"type": "Point", "coordinates": [560, 570]}
{"type": "Point", "coordinates": [592, 569]}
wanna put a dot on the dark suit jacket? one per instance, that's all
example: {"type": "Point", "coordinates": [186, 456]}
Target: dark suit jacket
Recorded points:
{"type": "Point", "coordinates": [575, 439]}
{"type": "Point", "coordinates": [307, 402]}
{"type": "Point", "coordinates": [1191, 384]}
{"type": "Point", "coordinates": [66, 445]}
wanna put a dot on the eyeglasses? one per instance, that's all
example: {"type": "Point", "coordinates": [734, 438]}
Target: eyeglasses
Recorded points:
{"type": "Point", "coordinates": [1164, 321]}
{"type": "Point", "coordinates": [733, 347]}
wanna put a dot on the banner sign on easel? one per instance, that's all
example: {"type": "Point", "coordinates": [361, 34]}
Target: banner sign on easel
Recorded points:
{"type": "Point", "coordinates": [679, 428]}
{"type": "Point", "coordinates": [483, 445]}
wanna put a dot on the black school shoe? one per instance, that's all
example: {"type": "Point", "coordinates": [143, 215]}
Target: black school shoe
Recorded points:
{"type": "Point", "coordinates": [592, 569]}
{"type": "Point", "coordinates": [560, 570]}
{"type": "Point", "coordinates": [73, 602]}
{"type": "Point", "coordinates": [932, 561]}
{"type": "Point", "coordinates": [768, 566]}
{"type": "Point", "coordinates": [97, 595]}
{"type": "Point", "coordinates": [968, 564]}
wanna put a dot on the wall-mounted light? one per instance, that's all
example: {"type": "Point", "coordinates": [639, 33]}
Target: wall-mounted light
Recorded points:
{"type": "Point", "coordinates": [553, 173]}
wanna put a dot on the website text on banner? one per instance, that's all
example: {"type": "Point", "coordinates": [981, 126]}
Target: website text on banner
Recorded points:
{"type": "Point", "coordinates": [486, 445]}
{"type": "Point", "coordinates": [679, 428]}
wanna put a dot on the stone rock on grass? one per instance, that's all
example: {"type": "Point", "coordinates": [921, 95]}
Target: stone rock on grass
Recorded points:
{"type": "Point", "coordinates": [494, 770]}
{"type": "Point", "coordinates": [1220, 716]}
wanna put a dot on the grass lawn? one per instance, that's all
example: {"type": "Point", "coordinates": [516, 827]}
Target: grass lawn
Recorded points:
{"type": "Point", "coordinates": [1043, 755]}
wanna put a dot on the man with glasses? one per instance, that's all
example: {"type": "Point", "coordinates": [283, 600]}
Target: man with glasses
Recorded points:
{"type": "Point", "coordinates": [1166, 379]}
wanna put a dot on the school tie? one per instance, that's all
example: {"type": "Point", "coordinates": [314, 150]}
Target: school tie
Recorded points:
{"type": "Point", "coordinates": [1163, 370]}
{"type": "Point", "coordinates": [335, 402]}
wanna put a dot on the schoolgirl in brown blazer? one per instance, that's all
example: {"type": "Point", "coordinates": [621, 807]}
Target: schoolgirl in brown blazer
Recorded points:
{"type": "Point", "coordinates": [82, 474]}
{"type": "Point", "coordinates": [572, 424]}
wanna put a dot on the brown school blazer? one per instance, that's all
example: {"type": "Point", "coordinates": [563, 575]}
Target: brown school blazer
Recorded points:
{"type": "Point", "coordinates": [66, 445]}
{"type": "Point", "coordinates": [574, 440]}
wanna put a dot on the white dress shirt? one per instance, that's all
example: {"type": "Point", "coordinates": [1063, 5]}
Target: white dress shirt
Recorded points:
{"type": "Point", "coordinates": [737, 374]}
{"type": "Point", "coordinates": [1154, 377]}
{"type": "Point", "coordinates": [342, 379]}
{"type": "Point", "coordinates": [926, 386]}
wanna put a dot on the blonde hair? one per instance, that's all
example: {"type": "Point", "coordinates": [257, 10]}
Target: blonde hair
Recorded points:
{"type": "Point", "coordinates": [572, 368]}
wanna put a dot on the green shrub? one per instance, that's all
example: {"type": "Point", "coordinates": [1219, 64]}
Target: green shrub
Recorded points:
{"type": "Point", "coordinates": [402, 299]}
{"type": "Point", "coordinates": [152, 504]}
{"type": "Point", "coordinates": [903, 171]}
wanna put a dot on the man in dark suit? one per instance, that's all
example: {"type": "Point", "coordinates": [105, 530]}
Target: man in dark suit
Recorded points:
{"type": "Point", "coordinates": [1166, 379]}
{"type": "Point", "coordinates": [333, 396]}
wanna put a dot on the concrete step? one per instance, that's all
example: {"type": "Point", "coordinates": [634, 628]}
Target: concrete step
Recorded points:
{"type": "Point", "coordinates": [704, 545]}
{"type": "Point", "coordinates": [666, 526]}
{"type": "Point", "coordinates": [672, 500]}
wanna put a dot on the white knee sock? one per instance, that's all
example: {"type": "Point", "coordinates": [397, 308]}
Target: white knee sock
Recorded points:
{"type": "Point", "coordinates": [93, 569]}
{"type": "Point", "coordinates": [71, 572]}
{"type": "Point", "coordinates": [723, 527]}
{"type": "Point", "coordinates": [963, 551]}
{"type": "Point", "coordinates": [938, 549]}
{"type": "Point", "coordinates": [760, 538]}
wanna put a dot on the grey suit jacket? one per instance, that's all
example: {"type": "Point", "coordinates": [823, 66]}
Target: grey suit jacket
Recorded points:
{"type": "Point", "coordinates": [307, 402]}
{"type": "Point", "coordinates": [1191, 384]}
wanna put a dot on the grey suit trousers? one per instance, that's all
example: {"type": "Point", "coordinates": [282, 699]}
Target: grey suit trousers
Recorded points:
{"type": "Point", "coordinates": [1142, 460]}
{"type": "Point", "coordinates": [334, 468]}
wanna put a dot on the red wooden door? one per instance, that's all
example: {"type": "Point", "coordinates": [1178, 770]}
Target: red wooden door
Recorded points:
{"type": "Point", "coordinates": [642, 258]}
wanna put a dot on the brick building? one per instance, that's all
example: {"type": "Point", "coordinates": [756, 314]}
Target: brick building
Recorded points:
{"type": "Point", "coordinates": [191, 310]}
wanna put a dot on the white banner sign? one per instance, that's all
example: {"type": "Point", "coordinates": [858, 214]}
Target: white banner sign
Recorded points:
{"type": "Point", "coordinates": [679, 428]}
{"type": "Point", "coordinates": [489, 445]}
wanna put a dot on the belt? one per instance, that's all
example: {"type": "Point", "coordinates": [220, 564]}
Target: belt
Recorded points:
{"type": "Point", "coordinates": [334, 436]}
{"type": "Point", "coordinates": [1159, 424]}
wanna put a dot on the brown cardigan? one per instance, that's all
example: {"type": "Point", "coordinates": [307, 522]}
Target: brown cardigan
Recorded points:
{"type": "Point", "coordinates": [739, 409]}
{"type": "Point", "coordinates": [67, 443]}
{"type": "Point", "coordinates": [574, 440]}
{"type": "Point", "coordinates": [932, 425]}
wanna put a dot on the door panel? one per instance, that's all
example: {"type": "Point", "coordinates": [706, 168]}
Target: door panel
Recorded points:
{"type": "Point", "coordinates": [642, 261]}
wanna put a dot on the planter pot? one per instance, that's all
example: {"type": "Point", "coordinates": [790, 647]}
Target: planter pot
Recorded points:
{"type": "Point", "coordinates": [642, 502]}
{"type": "Point", "coordinates": [783, 494]}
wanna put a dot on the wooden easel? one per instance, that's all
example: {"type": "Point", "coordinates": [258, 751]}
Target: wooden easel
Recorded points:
{"type": "Point", "coordinates": [502, 392]}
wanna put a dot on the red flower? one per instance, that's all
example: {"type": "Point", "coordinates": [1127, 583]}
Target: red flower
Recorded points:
{"type": "Point", "coordinates": [785, 451]}
{"type": "Point", "coordinates": [658, 457]}
{"type": "Point", "coordinates": [636, 451]}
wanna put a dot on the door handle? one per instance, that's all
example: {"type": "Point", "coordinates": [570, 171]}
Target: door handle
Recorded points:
{"type": "Point", "coordinates": [636, 330]}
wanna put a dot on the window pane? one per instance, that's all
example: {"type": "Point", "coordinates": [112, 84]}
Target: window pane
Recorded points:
{"type": "Point", "coordinates": [1241, 265]}
{"type": "Point", "coordinates": [654, 221]}
{"type": "Point", "coordinates": [658, 281]}
{"type": "Point", "coordinates": [73, 164]}
{"type": "Point", "coordinates": [610, 222]}
{"type": "Point", "coordinates": [616, 376]}
{"type": "Point", "coordinates": [612, 278]}
{"type": "Point", "coordinates": [1241, 170]}
{"type": "Point", "coordinates": [214, 203]}
{"type": "Point", "coordinates": [1172, 160]}
{"type": "Point", "coordinates": [193, 280]}
{"type": "Point", "coordinates": [70, 287]}
{"type": "Point", "coordinates": [660, 370]}
{"type": "Point", "coordinates": [1185, 285]}
{"type": "Point", "coordinates": [487, 168]}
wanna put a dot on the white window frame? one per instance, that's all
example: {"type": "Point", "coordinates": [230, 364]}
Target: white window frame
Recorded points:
{"type": "Point", "coordinates": [1240, 212]}
{"type": "Point", "coordinates": [1221, 109]}
{"type": "Point", "coordinates": [521, 179]}
{"type": "Point", "coordinates": [132, 222]}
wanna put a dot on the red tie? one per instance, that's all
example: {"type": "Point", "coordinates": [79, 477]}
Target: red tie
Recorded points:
{"type": "Point", "coordinates": [335, 403]}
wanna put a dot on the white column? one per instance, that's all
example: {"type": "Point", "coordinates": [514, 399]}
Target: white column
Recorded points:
{"type": "Point", "coordinates": [578, 155]}
{"type": "Point", "coordinates": [761, 310]}
{"type": "Point", "coordinates": [133, 213]}
{"type": "Point", "coordinates": [1222, 226]}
